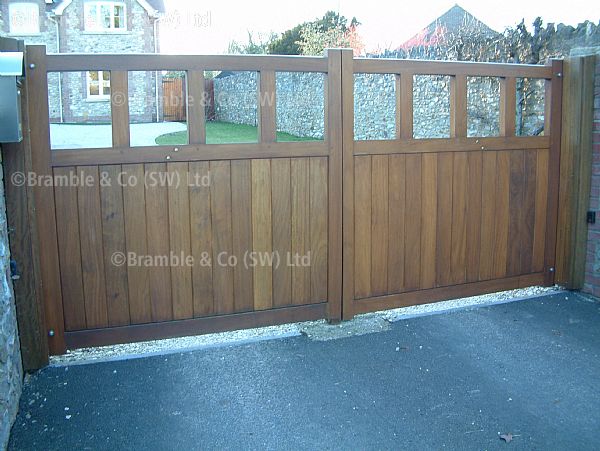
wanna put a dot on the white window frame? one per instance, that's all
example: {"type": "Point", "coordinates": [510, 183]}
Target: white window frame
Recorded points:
{"type": "Point", "coordinates": [97, 25]}
{"type": "Point", "coordinates": [30, 15]}
{"type": "Point", "coordinates": [102, 83]}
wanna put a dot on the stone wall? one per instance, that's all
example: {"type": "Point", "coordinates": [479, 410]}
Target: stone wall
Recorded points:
{"type": "Point", "coordinates": [300, 104]}
{"type": "Point", "coordinates": [11, 372]}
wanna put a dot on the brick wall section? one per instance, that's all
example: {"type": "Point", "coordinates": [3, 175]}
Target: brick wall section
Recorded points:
{"type": "Point", "coordinates": [11, 372]}
{"type": "Point", "coordinates": [592, 265]}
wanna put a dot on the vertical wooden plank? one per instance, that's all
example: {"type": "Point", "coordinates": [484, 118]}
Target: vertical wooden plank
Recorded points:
{"type": "Point", "coordinates": [282, 229]}
{"type": "Point", "coordinates": [508, 106]}
{"type": "Point", "coordinates": [119, 102]}
{"type": "Point", "coordinates": [488, 210]}
{"type": "Point", "coordinates": [502, 213]}
{"type": "Point", "coordinates": [241, 208]}
{"type": "Point", "coordinates": [113, 239]}
{"type": "Point", "coordinates": [92, 255]}
{"type": "Point", "coordinates": [201, 238]}
{"type": "Point", "coordinates": [37, 88]}
{"type": "Point", "coordinates": [69, 252]}
{"type": "Point", "coordinates": [406, 105]}
{"type": "Point", "coordinates": [362, 226]}
{"type": "Point", "coordinates": [398, 99]}
{"type": "Point", "coordinates": [541, 205]}
{"type": "Point", "coordinates": [318, 229]}
{"type": "Point", "coordinates": [429, 220]}
{"type": "Point", "coordinates": [220, 204]}
{"type": "Point", "coordinates": [474, 191]}
{"type": "Point", "coordinates": [262, 240]}
{"type": "Point", "coordinates": [397, 200]}
{"type": "Point", "coordinates": [342, 135]}
{"type": "Point", "coordinates": [553, 116]}
{"type": "Point", "coordinates": [528, 210]}
{"type": "Point", "coordinates": [379, 224]}
{"type": "Point", "coordinates": [444, 219]}
{"type": "Point", "coordinates": [195, 107]}
{"type": "Point", "coordinates": [458, 106]}
{"type": "Point", "coordinates": [157, 213]}
{"type": "Point", "coordinates": [266, 107]}
{"type": "Point", "coordinates": [458, 265]}
{"type": "Point", "coordinates": [412, 242]}
{"type": "Point", "coordinates": [179, 238]}
{"type": "Point", "coordinates": [134, 205]}
{"type": "Point", "coordinates": [517, 186]}
{"type": "Point", "coordinates": [300, 228]}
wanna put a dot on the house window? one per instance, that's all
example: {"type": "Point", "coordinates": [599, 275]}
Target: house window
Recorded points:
{"type": "Point", "coordinates": [105, 16]}
{"type": "Point", "coordinates": [98, 85]}
{"type": "Point", "coordinates": [24, 18]}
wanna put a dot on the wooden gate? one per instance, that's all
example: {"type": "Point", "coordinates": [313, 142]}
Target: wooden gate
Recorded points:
{"type": "Point", "coordinates": [432, 219]}
{"type": "Point", "coordinates": [174, 98]}
{"type": "Point", "coordinates": [270, 198]}
{"type": "Point", "coordinates": [412, 220]}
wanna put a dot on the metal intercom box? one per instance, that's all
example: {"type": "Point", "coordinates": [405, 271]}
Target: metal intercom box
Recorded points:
{"type": "Point", "coordinates": [11, 68]}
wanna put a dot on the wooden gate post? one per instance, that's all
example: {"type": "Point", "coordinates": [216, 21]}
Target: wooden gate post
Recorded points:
{"type": "Point", "coordinates": [20, 209]}
{"type": "Point", "coordinates": [575, 170]}
{"type": "Point", "coordinates": [37, 90]}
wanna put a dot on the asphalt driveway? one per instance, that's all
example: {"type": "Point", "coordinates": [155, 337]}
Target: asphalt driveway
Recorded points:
{"type": "Point", "coordinates": [455, 381]}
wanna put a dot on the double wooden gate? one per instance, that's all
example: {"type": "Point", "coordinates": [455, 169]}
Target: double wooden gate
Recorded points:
{"type": "Point", "coordinates": [386, 223]}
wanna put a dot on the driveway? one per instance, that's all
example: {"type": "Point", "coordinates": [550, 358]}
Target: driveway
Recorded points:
{"type": "Point", "coordinates": [457, 380]}
{"type": "Point", "coordinates": [76, 136]}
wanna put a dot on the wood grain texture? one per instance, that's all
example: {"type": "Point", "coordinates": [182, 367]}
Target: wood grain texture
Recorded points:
{"type": "Point", "coordinates": [134, 206]}
{"type": "Point", "coordinates": [502, 214]}
{"type": "Point", "coordinates": [113, 239]}
{"type": "Point", "coordinates": [241, 221]}
{"type": "Point", "coordinates": [262, 231]}
{"type": "Point", "coordinates": [201, 232]}
{"type": "Point", "coordinates": [541, 205]}
{"type": "Point", "coordinates": [379, 224]}
{"type": "Point", "coordinates": [69, 252]}
{"type": "Point", "coordinates": [157, 228]}
{"type": "Point", "coordinates": [220, 203]}
{"type": "Point", "coordinates": [179, 238]}
{"type": "Point", "coordinates": [92, 253]}
{"type": "Point", "coordinates": [282, 229]}
{"type": "Point", "coordinates": [362, 226]}
{"type": "Point", "coordinates": [445, 173]}
{"type": "Point", "coordinates": [397, 217]}
{"type": "Point", "coordinates": [429, 192]}
{"type": "Point", "coordinates": [474, 209]}
{"type": "Point", "coordinates": [412, 242]}
{"type": "Point", "coordinates": [300, 229]}
{"type": "Point", "coordinates": [318, 229]}
{"type": "Point", "coordinates": [458, 259]}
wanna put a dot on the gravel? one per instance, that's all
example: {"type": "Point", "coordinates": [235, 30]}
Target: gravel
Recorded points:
{"type": "Point", "coordinates": [314, 330]}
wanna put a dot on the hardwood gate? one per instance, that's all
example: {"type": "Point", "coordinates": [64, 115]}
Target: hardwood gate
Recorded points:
{"type": "Point", "coordinates": [412, 220]}
{"type": "Point", "coordinates": [432, 219]}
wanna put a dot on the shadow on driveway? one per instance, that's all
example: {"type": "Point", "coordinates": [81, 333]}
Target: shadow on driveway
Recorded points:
{"type": "Point", "coordinates": [456, 380]}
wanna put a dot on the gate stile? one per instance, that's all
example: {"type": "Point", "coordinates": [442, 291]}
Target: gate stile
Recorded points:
{"type": "Point", "coordinates": [412, 220]}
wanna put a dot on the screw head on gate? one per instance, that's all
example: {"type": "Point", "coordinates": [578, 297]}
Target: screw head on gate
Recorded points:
{"type": "Point", "coordinates": [551, 269]}
{"type": "Point", "coordinates": [32, 66]}
{"type": "Point", "coordinates": [51, 333]}
{"type": "Point", "coordinates": [168, 157]}
{"type": "Point", "coordinates": [176, 149]}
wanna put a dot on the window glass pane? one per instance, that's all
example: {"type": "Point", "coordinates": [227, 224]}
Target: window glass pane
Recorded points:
{"type": "Point", "coordinates": [24, 18]}
{"type": "Point", "coordinates": [78, 120]}
{"type": "Point", "coordinates": [106, 89]}
{"type": "Point", "coordinates": [431, 106]}
{"type": "Point", "coordinates": [93, 75]}
{"type": "Point", "coordinates": [119, 16]}
{"type": "Point", "coordinates": [374, 106]}
{"type": "Point", "coordinates": [300, 105]}
{"type": "Point", "coordinates": [105, 14]}
{"type": "Point", "coordinates": [91, 16]}
{"type": "Point", "coordinates": [106, 75]}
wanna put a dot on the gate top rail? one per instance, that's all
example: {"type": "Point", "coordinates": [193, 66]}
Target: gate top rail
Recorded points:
{"type": "Point", "coordinates": [73, 62]}
{"type": "Point", "coordinates": [429, 67]}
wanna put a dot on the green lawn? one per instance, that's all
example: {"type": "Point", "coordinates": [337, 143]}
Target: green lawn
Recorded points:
{"type": "Point", "coordinates": [225, 132]}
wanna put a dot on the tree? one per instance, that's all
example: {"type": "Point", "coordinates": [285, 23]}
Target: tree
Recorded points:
{"type": "Point", "coordinates": [288, 42]}
{"type": "Point", "coordinates": [254, 46]}
{"type": "Point", "coordinates": [314, 40]}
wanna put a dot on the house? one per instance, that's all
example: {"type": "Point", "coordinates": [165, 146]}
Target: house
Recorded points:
{"type": "Point", "coordinates": [454, 21]}
{"type": "Point", "coordinates": [90, 26]}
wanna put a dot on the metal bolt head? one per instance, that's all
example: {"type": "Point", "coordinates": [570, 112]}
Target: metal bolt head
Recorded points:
{"type": "Point", "coordinates": [551, 269]}
{"type": "Point", "coordinates": [168, 157]}
{"type": "Point", "coordinates": [51, 333]}
{"type": "Point", "coordinates": [176, 149]}
{"type": "Point", "coordinates": [32, 66]}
